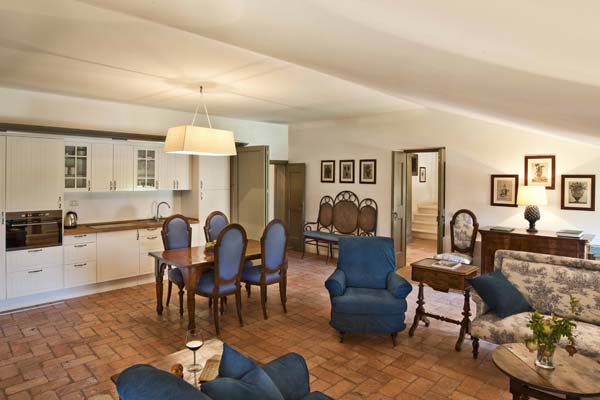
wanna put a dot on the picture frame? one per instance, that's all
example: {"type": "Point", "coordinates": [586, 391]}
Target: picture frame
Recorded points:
{"type": "Point", "coordinates": [368, 171]}
{"type": "Point", "coordinates": [346, 171]}
{"type": "Point", "coordinates": [328, 171]}
{"type": "Point", "coordinates": [504, 190]}
{"type": "Point", "coordinates": [540, 171]}
{"type": "Point", "coordinates": [422, 174]}
{"type": "Point", "coordinates": [578, 192]}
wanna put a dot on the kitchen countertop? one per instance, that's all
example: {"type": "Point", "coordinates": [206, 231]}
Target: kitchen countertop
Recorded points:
{"type": "Point", "coordinates": [114, 226]}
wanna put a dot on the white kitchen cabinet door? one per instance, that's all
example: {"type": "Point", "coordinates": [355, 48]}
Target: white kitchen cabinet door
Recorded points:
{"type": "Point", "coordinates": [34, 280]}
{"type": "Point", "coordinates": [123, 167]}
{"type": "Point", "coordinates": [118, 255]}
{"type": "Point", "coordinates": [2, 222]}
{"type": "Point", "coordinates": [34, 174]}
{"type": "Point", "coordinates": [182, 172]}
{"type": "Point", "coordinates": [166, 170]}
{"type": "Point", "coordinates": [102, 167]}
{"type": "Point", "coordinates": [148, 243]}
{"type": "Point", "coordinates": [78, 161]}
{"type": "Point", "coordinates": [213, 172]}
{"type": "Point", "coordinates": [145, 168]}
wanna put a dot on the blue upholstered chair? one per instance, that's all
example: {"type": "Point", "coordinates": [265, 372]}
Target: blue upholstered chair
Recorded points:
{"type": "Point", "coordinates": [273, 268]}
{"type": "Point", "coordinates": [176, 234]}
{"type": "Point", "coordinates": [214, 224]}
{"type": "Point", "coordinates": [366, 293]}
{"type": "Point", "coordinates": [224, 279]}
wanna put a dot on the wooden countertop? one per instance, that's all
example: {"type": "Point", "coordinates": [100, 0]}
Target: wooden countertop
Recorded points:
{"type": "Point", "coordinates": [109, 226]}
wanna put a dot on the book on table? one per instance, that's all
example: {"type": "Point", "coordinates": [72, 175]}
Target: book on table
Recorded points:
{"type": "Point", "coordinates": [501, 229]}
{"type": "Point", "coordinates": [446, 264]}
{"type": "Point", "coordinates": [572, 233]}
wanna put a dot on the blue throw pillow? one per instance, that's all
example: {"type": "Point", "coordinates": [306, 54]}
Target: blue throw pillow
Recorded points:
{"type": "Point", "coordinates": [234, 364]}
{"type": "Point", "coordinates": [143, 382]}
{"type": "Point", "coordinates": [256, 384]}
{"type": "Point", "coordinates": [499, 294]}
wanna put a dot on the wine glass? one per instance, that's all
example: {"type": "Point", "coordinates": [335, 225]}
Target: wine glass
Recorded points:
{"type": "Point", "coordinates": [194, 342]}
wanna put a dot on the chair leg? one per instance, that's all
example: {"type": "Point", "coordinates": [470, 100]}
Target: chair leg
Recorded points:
{"type": "Point", "coordinates": [222, 305]}
{"type": "Point", "coordinates": [303, 248]}
{"type": "Point", "coordinates": [263, 299]}
{"type": "Point", "coordinates": [475, 342]}
{"type": "Point", "coordinates": [248, 289]}
{"type": "Point", "coordinates": [283, 291]}
{"type": "Point", "coordinates": [169, 289]}
{"type": "Point", "coordinates": [238, 305]}
{"type": "Point", "coordinates": [342, 334]}
{"type": "Point", "coordinates": [215, 303]}
{"type": "Point", "coordinates": [317, 246]}
{"type": "Point", "coordinates": [181, 301]}
{"type": "Point", "coordinates": [210, 302]}
{"type": "Point", "coordinates": [394, 338]}
{"type": "Point", "coordinates": [329, 252]}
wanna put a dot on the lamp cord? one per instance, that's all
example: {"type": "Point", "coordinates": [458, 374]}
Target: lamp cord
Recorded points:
{"type": "Point", "coordinates": [205, 109]}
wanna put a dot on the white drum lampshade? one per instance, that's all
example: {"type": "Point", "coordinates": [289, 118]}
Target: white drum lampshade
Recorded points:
{"type": "Point", "coordinates": [197, 140]}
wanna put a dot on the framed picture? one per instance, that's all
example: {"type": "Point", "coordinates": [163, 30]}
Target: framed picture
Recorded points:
{"type": "Point", "coordinates": [368, 171]}
{"type": "Point", "coordinates": [578, 192]}
{"type": "Point", "coordinates": [504, 190]}
{"type": "Point", "coordinates": [346, 171]}
{"type": "Point", "coordinates": [328, 171]}
{"type": "Point", "coordinates": [422, 175]}
{"type": "Point", "coordinates": [540, 171]}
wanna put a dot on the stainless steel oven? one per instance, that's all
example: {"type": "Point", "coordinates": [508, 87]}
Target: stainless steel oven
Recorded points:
{"type": "Point", "coordinates": [27, 230]}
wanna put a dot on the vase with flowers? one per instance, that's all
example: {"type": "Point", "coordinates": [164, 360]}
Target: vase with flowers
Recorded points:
{"type": "Point", "coordinates": [547, 332]}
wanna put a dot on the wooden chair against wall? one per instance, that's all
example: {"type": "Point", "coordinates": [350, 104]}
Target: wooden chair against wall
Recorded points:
{"type": "Point", "coordinates": [463, 234]}
{"type": "Point", "coordinates": [322, 226]}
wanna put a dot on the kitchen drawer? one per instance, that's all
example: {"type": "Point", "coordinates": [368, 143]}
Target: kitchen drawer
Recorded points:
{"type": "Point", "coordinates": [80, 252]}
{"type": "Point", "coordinates": [151, 243]}
{"type": "Point", "coordinates": [147, 265]}
{"type": "Point", "coordinates": [149, 232]}
{"type": "Point", "coordinates": [81, 238]}
{"type": "Point", "coordinates": [78, 274]}
{"type": "Point", "coordinates": [34, 280]}
{"type": "Point", "coordinates": [20, 260]}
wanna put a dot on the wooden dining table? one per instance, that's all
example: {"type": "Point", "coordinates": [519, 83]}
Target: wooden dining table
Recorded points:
{"type": "Point", "coordinates": [192, 261]}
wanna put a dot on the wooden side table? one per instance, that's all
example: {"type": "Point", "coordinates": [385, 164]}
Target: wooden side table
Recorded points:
{"type": "Point", "coordinates": [574, 378]}
{"type": "Point", "coordinates": [442, 280]}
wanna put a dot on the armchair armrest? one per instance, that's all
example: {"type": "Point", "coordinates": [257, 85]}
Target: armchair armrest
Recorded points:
{"type": "Point", "coordinates": [398, 286]}
{"type": "Point", "coordinates": [336, 283]}
{"type": "Point", "coordinates": [480, 306]}
{"type": "Point", "coordinates": [290, 375]}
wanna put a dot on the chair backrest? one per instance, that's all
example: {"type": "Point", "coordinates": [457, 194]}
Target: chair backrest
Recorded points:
{"type": "Point", "coordinates": [345, 212]}
{"type": "Point", "coordinates": [367, 217]}
{"type": "Point", "coordinates": [273, 246]}
{"type": "Point", "coordinates": [176, 232]}
{"type": "Point", "coordinates": [463, 232]}
{"type": "Point", "coordinates": [325, 217]}
{"type": "Point", "coordinates": [230, 252]}
{"type": "Point", "coordinates": [366, 260]}
{"type": "Point", "coordinates": [213, 225]}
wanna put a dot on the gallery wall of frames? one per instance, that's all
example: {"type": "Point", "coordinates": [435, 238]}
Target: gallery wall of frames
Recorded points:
{"type": "Point", "coordinates": [367, 171]}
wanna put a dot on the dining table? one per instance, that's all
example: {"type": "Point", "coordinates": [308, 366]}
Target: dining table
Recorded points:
{"type": "Point", "coordinates": [192, 262]}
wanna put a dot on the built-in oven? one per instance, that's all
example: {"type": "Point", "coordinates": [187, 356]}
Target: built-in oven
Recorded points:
{"type": "Point", "coordinates": [28, 230]}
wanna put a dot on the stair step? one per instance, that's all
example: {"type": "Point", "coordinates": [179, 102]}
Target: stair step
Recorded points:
{"type": "Point", "coordinates": [424, 230]}
{"type": "Point", "coordinates": [426, 217]}
{"type": "Point", "coordinates": [425, 221]}
{"type": "Point", "coordinates": [427, 236]}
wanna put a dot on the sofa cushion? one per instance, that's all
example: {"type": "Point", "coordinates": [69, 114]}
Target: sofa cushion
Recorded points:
{"type": "Point", "coordinates": [234, 364]}
{"type": "Point", "coordinates": [546, 282]}
{"type": "Point", "coordinates": [316, 396]}
{"type": "Point", "coordinates": [290, 374]}
{"type": "Point", "coordinates": [255, 384]}
{"type": "Point", "coordinates": [513, 329]}
{"type": "Point", "coordinates": [368, 301]}
{"type": "Point", "coordinates": [499, 294]}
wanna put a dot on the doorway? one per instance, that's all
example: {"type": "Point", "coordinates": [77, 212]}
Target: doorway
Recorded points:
{"type": "Point", "coordinates": [418, 201]}
{"type": "Point", "coordinates": [289, 192]}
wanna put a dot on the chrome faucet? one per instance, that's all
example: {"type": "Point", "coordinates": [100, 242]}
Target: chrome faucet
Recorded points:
{"type": "Point", "coordinates": [157, 218]}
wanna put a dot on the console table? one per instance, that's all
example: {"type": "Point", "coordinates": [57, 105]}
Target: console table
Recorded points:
{"type": "Point", "coordinates": [521, 240]}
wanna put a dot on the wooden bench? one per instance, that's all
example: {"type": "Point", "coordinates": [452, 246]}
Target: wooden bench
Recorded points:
{"type": "Point", "coordinates": [340, 216]}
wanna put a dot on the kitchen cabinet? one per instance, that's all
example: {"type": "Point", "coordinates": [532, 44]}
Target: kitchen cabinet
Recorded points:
{"type": "Point", "coordinates": [112, 167]}
{"type": "Point", "coordinates": [2, 222]}
{"type": "Point", "coordinates": [77, 176]}
{"type": "Point", "coordinates": [150, 240]}
{"type": "Point", "coordinates": [182, 172]}
{"type": "Point", "coordinates": [213, 172]}
{"type": "Point", "coordinates": [118, 255]}
{"type": "Point", "coordinates": [34, 173]}
{"type": "Point", "coordinates": [146, 168]}
{"type": "Point", "coordinates": [174, 171]}
{"type": "Point", "coordinates": [34, 271]}
{"type": "Point", "coordinates": [197, 235]}
{"type": "Point", "coordinates": [80, 260]}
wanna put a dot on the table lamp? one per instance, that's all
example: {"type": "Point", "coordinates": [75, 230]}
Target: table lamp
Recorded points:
{"type": "Point", "coordinates": [532, 197]}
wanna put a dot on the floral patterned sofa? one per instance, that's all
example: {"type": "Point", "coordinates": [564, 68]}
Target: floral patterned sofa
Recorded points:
{"type": "Point", "coordinates": [546, 282]}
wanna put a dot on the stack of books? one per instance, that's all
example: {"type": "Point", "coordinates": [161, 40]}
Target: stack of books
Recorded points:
{"type": "Point", "coordinates": [501, 229]}
{"type": "Point", "coordinates": [570, 233]}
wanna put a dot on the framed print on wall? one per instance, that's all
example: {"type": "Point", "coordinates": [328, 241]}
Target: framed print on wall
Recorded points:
{"type": "Point", "coordinates": [540, 171]}
{"type": "Point", "coordinates": [328, 171]}
{"type": "Point", "coordinates": [368, 171]}
{"type": "Point", "coordinates": [504, 190]}
{"type": "Point", "coordinates": [346, 171]}
{"type": "Point", "coordinates": [578, 192]}
{"type": "Point", "coordinates": [422, 175]}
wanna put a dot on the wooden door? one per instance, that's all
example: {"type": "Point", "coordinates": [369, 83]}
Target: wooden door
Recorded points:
{"type": "Point", "coordinates": [123, 167]}
{"type": "Point", "coordinates": [2, 221]}
{"type": "Point", "coordinates": [34, 174]}
{"type": "Point", "coordinates": [102, 167]}
{"type": "Point", "coordinates": [249, 194]}
{"type": "Point", "coordinates": [295, 195]}
{"type": "Point", "coordinates": [441, 199]}
{"type": "Point", "coordinates": [400, 176]}
{"type": "Point", "coordinates": [118, 255]}
{"type": "Point", "coordinates": [279, 190]}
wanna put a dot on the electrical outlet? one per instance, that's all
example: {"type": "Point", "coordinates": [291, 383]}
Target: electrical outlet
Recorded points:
{"type": "Point", "coordinates": [74, 203]}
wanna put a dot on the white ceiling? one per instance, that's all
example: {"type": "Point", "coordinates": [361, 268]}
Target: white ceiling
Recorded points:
{"type": "Point", "coordinates": [534, 63]}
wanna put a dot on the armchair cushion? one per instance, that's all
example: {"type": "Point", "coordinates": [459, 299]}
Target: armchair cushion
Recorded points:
{"type": "Point", "coordinates": [499, 294]}
{"type": "Point", "coordinates": [455, 257]}
{"type": "Point", "coordinates": [336, 283]}
{"type": "Point", "coordinates": [325, 236]}
{"type": "Point", "coordinates": [290, 375]}
{"type": "Point", "coordinates": [234, 364]}
{"type": "Point", "coordinates": [398, 286]}
{"type": "Point", "coordinates": [255, 384]}
{"type": "Point", "coordinates": [368, 301]}
{"type": "Point", "coordinates": [207, 282]}
{"type": "Point", "coordinates": [366, 261]}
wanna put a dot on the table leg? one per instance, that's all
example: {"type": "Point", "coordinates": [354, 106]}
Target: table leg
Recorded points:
{"type": "Point", "coordinates": [190, 277]}
{"type": "Point", "coordinates": [465, 324]}
{"type": "Point", "coordinates": [420, 312]}
{"type": "Point", "coordinates": [159, 271]}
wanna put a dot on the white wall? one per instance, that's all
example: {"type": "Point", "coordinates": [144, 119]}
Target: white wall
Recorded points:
{"type": "Point", "coordinates": [475, 149]}
{"type": "Point", "coordinates": [425, 192]}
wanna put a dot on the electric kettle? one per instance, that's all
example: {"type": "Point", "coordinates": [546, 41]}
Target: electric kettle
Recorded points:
{"type": "Point", "coordinates": [71, 220]}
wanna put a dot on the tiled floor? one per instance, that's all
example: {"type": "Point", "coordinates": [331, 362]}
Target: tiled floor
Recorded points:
{"type": "Point", "coordinates": [69, 351]}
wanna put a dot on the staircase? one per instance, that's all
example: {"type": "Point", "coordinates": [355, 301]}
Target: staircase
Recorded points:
{"type": "Point", "coordinates": [424, 222]}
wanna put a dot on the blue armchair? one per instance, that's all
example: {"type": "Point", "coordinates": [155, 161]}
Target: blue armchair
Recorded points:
{"type": "Point", "coordinates": [366, 293]}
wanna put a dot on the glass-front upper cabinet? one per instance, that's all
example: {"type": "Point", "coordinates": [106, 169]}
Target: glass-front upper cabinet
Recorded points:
{"type": "Point", "coordinates": [146, 162]}
{"type": "Point", "coordinates": [77, 167]}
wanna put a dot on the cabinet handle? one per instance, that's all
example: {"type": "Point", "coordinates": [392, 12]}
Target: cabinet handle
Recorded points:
{"type": "Point", "coordinates": [80, 236]}
{"type": "Point", "coordinates": [35, 271]}
{"type": "Point", "coordinates": [201, 184]}
{"type": "Point", "coordinates": [201, 195]}
{"type": "Point", "coordinates": [80, 245]}
{"type": "Point", "coordinates": [2, 217]}
{"type": "Point", "coordinates": [80, 265]}
{"type": "Point", "coordinates": [151, 229]}
{"type": "Point", "coordinates": [173, 183]}
{"type": "Point", "coordinates": [115, 185]}
{"type": "Point", "coordinates": [35, 250]}
{"type": "Point", "coordinates": [151, 237]}
{"type": "Point", "coordinates": [89, 185]}
{"type": "Point", "coordinates": [59, 202]}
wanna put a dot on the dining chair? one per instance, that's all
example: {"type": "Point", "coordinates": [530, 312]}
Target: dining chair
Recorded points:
{"type": "Point", "coordinates": [273, 268]}
{"type": "Point", "coordinates": [224, 279]}
{"type": "Point", "coordinates": [176, 234]}
{"type": "Point", "coordinates": [463, 234]}
{"type": "Point", "coordinates": [214, 224]}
